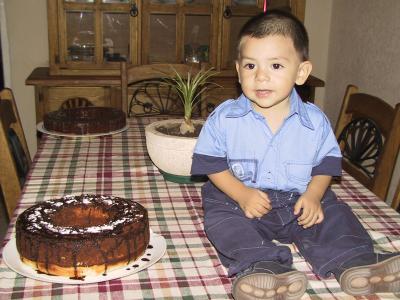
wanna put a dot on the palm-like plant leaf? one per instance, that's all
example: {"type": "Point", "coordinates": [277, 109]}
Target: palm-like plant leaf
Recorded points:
{"type": "Point", "coordinates": [190, 89]}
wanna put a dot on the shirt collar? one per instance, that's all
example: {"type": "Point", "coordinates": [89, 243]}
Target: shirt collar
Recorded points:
{"type": "Point", "coordinates": [242, 106]}
{"type": "Point", "coordinates": [297, 106]}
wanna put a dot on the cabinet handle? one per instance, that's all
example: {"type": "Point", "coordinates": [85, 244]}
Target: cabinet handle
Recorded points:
{"type": "Point", "coordinates": [134, 10]}
{"type": "Point", "coordinates": [227, 12]}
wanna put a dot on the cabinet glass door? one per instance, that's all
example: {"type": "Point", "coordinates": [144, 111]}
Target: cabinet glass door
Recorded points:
{"type": "Point", "coordinates": [80, 36]}
{"type": "Point", "coordinates": [178, 32]}
{"type": "Point", "coordinates": [197, 38]}
{"type": "Point", "coordinates": [197, 1]}
{"type": "Point", "coordinates": [116, 38]}
{"type": "Point", "coordinates": [163, 1]}
{"type": "Point", "coordinates": [234, 30]}
{"type": "Point", "coordinates": [198, 28]}
{"type": "Point", "coordinates": [281, 4]}
{"type": "Point", "coordinates": [80, 1]}
{"type": "Point", "coordinates": [162, 38]}
{"type": "Point", "coordinates": [235, 14]}
{"type": "Point", "coordinates": [115, 1]}
{"type": "Point", "coordinates": [244, 2]}
{"type": "Point", "coordinates": [97, 33]}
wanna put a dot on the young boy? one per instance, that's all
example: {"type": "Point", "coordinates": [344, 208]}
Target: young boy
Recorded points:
{"type": "Point", "coordinates": [270, 158]}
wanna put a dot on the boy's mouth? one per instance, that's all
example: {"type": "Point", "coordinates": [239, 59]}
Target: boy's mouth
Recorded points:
{"type": "Point", "coordinates": [263, 93]}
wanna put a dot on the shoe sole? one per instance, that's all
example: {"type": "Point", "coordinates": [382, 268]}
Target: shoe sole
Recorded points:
{"type": "Point", "coordinates": [255, 286]}
{"type": "Point", "coordinates": [365, 280]}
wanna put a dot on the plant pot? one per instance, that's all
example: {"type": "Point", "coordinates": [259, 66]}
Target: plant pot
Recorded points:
{"type": "Point", "coordinates": [172, 155]}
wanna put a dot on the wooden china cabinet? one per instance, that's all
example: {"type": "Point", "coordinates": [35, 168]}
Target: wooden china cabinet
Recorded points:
{"type": "Point", "coordinates": [89, 38]}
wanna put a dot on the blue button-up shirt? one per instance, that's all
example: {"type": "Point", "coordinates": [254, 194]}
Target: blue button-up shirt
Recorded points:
{"type": "Point", "coordinates": [237, 137]}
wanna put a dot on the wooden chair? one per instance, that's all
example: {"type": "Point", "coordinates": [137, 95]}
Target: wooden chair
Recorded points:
{"type": "Point", "coordinates": [368, 131]}
{"type": "Point", "coordinates": [396, 198]}
{"type": "Point", "coordinates": [14, 154]}
{"type": "Point", "coordinates": [76, 102]}
{"type": "Point", "coordinates": [144, 91]}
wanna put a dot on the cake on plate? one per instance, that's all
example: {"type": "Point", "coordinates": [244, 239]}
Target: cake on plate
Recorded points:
{"type": "Point", "coordinates": [85, 120]}
{"type": "Point", "coordinates": [78, 236]}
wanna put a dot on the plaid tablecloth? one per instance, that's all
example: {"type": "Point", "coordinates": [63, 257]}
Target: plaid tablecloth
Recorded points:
{"type": "Point", "coordinates": [190, 269]}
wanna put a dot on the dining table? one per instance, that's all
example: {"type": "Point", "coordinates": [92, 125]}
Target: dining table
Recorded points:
{"type": "Point", "coordinates": [118, 165]}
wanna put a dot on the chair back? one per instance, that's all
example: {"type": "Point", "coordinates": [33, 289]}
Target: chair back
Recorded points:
{"type": "Point", "coordinates": [368, 132]}
{"type": "Point", "coordinates": [15, 160]}
{"type": "Point", "coordinates": [396, 198]}
{"type": "Point", "coordinates": [75, 103]}
{"type": "Point", "coordinates": [145, 92]}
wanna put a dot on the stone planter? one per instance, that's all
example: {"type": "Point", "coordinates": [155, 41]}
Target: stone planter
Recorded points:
{"type": "Point", "coordinates": [172, 155]}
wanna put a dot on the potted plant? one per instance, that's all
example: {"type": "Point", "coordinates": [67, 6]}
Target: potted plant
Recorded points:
{"type": "Point", "coordinates": [170, 143]}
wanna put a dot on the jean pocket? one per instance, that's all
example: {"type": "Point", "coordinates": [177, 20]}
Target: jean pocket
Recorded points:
{"type": "Point", "coordinates": [223, 202]}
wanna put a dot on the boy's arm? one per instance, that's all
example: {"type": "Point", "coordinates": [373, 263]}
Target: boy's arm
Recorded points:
{"type": "Point", "coordinates": [253, 202]}
{"type": "Point", "coordinates": [309, 204]}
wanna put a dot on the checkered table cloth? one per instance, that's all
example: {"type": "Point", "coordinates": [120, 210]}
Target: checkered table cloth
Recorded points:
{"type": "Point", "coordinates": [190, 269]}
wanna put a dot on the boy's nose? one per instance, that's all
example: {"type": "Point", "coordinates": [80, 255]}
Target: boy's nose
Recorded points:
{"type": "Point", "coordinates": [262, 75]}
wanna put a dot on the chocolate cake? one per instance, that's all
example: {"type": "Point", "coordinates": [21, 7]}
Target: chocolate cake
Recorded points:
{"type": "Point", "coordinates": [85, 120]}
{"type": "Point", "coordinates": [78, 236]}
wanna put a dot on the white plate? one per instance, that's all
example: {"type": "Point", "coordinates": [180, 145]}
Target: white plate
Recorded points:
{"type": "Point", "coordinates": [153, 254]}
{"type": "Point", "coordinates": [41, 128]}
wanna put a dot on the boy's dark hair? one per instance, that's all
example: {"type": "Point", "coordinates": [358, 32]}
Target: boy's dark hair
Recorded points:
{"type": "Point", "coordinates": [277, 22]}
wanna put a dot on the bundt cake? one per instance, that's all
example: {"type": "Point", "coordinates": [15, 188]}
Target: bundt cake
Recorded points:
{"type": "Point", "coordinates": [78, 236]}
{"type": "Point", "coordinates": [85, 120]}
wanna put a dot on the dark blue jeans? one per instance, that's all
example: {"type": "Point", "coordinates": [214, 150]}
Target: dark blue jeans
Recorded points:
{"type": "Point", "coordinates": [241, 241]}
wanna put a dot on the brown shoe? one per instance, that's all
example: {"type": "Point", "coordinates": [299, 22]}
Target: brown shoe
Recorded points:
{"type": "Point", "coordinates": [380, 277]}
{"type": "Point", "coordinates": [269, 280]}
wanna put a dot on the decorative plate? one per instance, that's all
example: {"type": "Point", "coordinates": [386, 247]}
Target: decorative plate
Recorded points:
{"type": "Point", "coordinates": [154, 252]}
{"type": "Point", "coordinates": [41, 128]}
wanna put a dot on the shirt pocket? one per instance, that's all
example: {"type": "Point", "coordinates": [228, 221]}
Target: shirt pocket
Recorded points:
{"type": "Point", "coordinates": [298, 172]}
{"type": "Point", "coordinates": [244, 169]}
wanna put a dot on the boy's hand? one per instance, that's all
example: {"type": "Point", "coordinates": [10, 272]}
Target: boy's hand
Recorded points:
{"type": "Point", "coordinates": [312, 211]}
{"type": "Point", "coordinates": [255, 203]}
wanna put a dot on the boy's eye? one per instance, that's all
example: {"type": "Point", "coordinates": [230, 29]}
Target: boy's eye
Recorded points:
{"type": "Point", "coordinates": [249, 66]}
{"type": "Point", "coordinates": [276, 66]}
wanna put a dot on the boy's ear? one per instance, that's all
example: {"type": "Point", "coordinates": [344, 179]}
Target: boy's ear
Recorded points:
{"type": "Point", "coordinates": [237, 69]}
{"type": "Point", "coordinates": [303, 72]}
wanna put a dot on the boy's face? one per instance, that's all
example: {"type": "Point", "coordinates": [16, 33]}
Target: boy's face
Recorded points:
{"type": "Point", "coordinates": [268, 68]}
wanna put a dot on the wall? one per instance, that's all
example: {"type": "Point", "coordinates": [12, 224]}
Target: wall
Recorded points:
{"type": "Point", "coordinates": [27, 35]}
{"type": "Point", "coordinates": [364, 48]}
{"type": "Point", "coordinates": [318, 22]}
